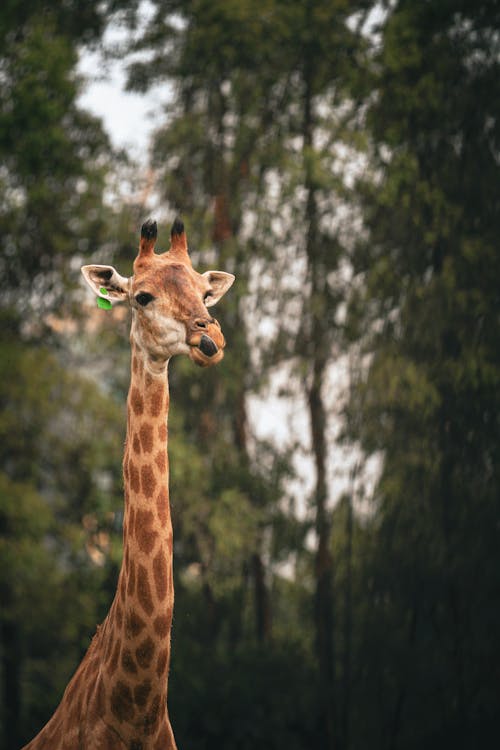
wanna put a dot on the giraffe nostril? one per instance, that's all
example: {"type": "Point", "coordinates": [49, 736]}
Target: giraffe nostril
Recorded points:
{"type": "Point", "coordinates": [201, 323]}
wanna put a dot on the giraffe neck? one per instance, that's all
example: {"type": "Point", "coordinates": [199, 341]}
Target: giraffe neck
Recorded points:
{"type": "Point", "coordinates": [137, 651]}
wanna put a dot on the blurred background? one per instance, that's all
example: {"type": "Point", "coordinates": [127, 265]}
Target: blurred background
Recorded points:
{"type": "Point", "coordinates": [335, 482]}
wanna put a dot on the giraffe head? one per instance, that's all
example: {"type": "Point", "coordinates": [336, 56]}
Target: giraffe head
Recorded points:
{"type": "Point", "coordinates": [169, 300]}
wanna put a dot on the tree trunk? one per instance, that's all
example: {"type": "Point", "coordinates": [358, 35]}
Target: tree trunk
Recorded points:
{"type": "Point", "coordinates": [262, 602]}
{"type": "Point", "coordinates": [323, 572]}
{"type": "Point", "coordinates": [223, 231]}
{"type": "Point", "coordinates": [11, 674]}
{"type": "Point", "coordinates": [347, 655]}
{"type": "Point", "coordinates": [318, 356]}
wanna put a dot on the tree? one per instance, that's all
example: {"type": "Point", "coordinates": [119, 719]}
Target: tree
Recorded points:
{"type": "Point", "coordinates": [429, 400]}
{"type": "Point", "coordinates": [204, 155]}
{"type": "Point", "coordinates": [263, 101]}
{"type": "Point", "coordinates": [57, 523]}
{"type": "Point", "coordinates": [54, 155]}
{"type": "Point", "coordinates": [56, 513]}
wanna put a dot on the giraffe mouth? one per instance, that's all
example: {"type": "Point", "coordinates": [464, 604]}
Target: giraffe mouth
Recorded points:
{"type": "Point", "coordinates": [205, 352]}
{"type": "Point", "coordinates": [208, 346]}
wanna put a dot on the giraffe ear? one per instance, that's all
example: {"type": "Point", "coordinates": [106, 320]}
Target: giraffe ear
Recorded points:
{"type": "Point", "coordinates": [219, 281]}
{"type": "Point", "coordinates": [106, 282]}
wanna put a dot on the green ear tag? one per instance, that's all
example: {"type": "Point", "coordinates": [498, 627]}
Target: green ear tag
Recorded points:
{"type": "Point", "coordinates": [104, 304]}
{"type": "Point", "coordinates": [104, 291]}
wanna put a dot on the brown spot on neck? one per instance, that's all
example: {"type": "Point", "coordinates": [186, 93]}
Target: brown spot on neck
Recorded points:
{"type": "Point", "coordinates": [141, 693]}
{"type": "Point", "coordinates": [148, 481]}
{"type": "Point", "coordinates": [156, 399]}
{"type": "Point", "coordinates": [136, 401]}
{"type": "Point", "coordinates": [136, 445]}
{"type": "Point", "coordinates": [135, 482]}
{"type": "Point", "coordinates": [162, 662]}
{"type": "Point", "coordinates": [145, 652]}
{"type": "Point", "coordinates": [152, 717]}
{"type": "Point", "coordinates": [122, 703]}
{"type": "Point", "coordinates": [146, 435]}
{"type": "Point", "coordinates": [161, 461]}
{"type": "Point", "coordinates": [161, 575]}
{"type": "Point", "coordinates": [128, 662]}
{"type": "Point", "coordinates": [162, 506]}
{"type": "Point", "coordinates": [144, 590]}
{"type": "Point", "coordinates": [162, 625]}
{"type": "Point", "coordinates": [144, 533]}
{"type": "Point", "coordinates": [134, 625]}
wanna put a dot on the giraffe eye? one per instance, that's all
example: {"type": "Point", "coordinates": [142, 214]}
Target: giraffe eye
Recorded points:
{"type": "Point", "coordinates": [144, 298]}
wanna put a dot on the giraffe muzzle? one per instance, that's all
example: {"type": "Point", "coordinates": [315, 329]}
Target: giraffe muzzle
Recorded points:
{"type": "Point", "coordinates": [206, 349]}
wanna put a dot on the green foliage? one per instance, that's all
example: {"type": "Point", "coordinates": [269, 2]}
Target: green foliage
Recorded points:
{"type": "Point", "coordinates": [53, 156]}
{"type": "Point", "coordinates": [264, 126]}
{"type": "Point", "coordinates": [430, 396]}
{"type": "Point", "coordinates": [214, 520]}
{"type": "Point", "coordinates": [247, 143]}
{"type": "Point", "coordinates": [255, 698]}
{"type": "Point", "coordinates": [57, 473]}
{"type": "Point", "coordinates": [59, 485]}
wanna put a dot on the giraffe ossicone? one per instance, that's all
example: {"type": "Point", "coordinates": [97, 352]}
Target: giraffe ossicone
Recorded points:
{"type": "Point", "coordinates": [117, 697]}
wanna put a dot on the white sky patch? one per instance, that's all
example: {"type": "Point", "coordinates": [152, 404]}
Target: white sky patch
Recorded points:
{"type": "Point", "coordinates": [129, 118]}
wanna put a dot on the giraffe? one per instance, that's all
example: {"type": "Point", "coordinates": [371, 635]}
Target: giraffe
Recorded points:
{"type": "Point", "coordinates": [117, 698]}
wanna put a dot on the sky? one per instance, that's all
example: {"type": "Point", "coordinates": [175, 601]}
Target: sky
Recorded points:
{"type": "Point", "coordinates": [122, 113]}
{"type": "Point", "coordinates": [128, 118]}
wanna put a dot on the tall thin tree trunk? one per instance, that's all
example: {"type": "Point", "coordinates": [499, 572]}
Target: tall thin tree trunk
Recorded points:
{"type": "Point", "coordinates": [262, 601]}
{"type": "Point", "coordinates": [11, 675]}
{"type": "Point", "coordinates": [323, 569]}
{"type": "Point", "coordinates": [317, 414]}
{"type": "Point", "coordinates": [347, 655]}
{"type": "Point", "coordinates": [223, 232]}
